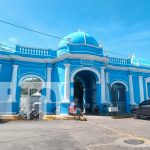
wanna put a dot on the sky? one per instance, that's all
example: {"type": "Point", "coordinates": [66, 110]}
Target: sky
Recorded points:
{"type": "Point", "coordinates": [121, 26]}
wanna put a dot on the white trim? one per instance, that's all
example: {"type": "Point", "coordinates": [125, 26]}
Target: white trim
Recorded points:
{"type": "Point", "coordinates": [141, 88]}
{"type": "Point", "coordinates": [107, 89]}
{"type": "Point", "coordinates": [103, 82]}
{"type": "Point", "coordinates": [31, 76]}
{"type": "Point", "coordinates": [67, 83]}
{"type": "Point", "coordinates": [13, 85]}
{"type": "Point", "coordinates": [0, 67]}
{"type": "Point", "coordinates": [84, 69]}
{"type": "Point", "coordinates": [54, 60]}
{"type": "Point", "coordinates": [80, 56]}
{"type": "Point", "coordinates": [118, 81]}
{"type": "Point", "coordinates": [28, 59]}
{"type": "Point", "coordinates": [134, 69]}
{"type": "Point", "coordinates": [74, 56]}
{"type": "Point", "coordinates": [48, 84]}
{"type": "Point", "coordinates": [146, 89]}
{"type": "Point", "coordinates": [131, 91]}
{"type": "Point", "coordinates": [147, 80]}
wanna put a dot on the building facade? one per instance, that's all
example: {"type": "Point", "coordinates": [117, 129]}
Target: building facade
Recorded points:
{"type": "Point", "coordinates": [79, 70]}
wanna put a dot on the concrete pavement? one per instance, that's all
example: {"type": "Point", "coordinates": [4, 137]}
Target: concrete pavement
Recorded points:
{"type": "Point", "coordinates": [98, 133]}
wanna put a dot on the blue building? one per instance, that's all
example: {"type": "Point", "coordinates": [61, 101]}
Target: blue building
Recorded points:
{"type": "Point", "coordinates": [78, 69]}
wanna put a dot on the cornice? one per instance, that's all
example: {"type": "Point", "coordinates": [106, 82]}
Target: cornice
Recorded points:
{"type": "Point", "coordinates": [74, 56]}
{"type": "Point", "coordinates": [133, 69]}
{"type": "Point", "coordinates": [81, 56]}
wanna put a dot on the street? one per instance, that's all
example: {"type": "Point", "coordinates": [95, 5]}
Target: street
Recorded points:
{"type": "Point", "coordinates": [98, 133]}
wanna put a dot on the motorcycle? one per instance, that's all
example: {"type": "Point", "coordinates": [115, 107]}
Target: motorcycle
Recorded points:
{"type": "Point", "coordinates": [34, 115]}
{"type": "Point", "coordinates": [22, 115]}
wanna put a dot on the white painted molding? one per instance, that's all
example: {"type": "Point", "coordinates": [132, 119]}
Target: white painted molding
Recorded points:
{"type": "Point", "coordinates": [147, 80]}
{"type": "Point", "coordinates": [131, 90]}
{"type": "Point", "coordinates": [13, 85]}
{"type": "Point", "coordinates": [67, 84]}
{"type": "Point", "coordinates": [54, 60]}
{"type": "Point", "coordinates": [31, 76]}
{"type": "Point", "coordinates": [0, 66]}
{"type": "Point", "coordinates": [84, 69]}
{"type": "Point", "coordinates": [15, 66]}
{"type": "Point", "coordinates": [103, 88]}
{"type": "Point", "coordinates": [107, 89]}
{"type": "Point", "coordinates": [102, 68]}
{"type": "Point", "coordinates": [141, 88]}
{"type": "Point", "coordinates": [146, 89]}
{"type": "Point", "coordinates": [134, 69]}
{"type": "Point", "coordinates": [74, 56]}
{"type": "Point", "coordinates": [48, 84]}
{"type": "Point", "coordinates": [67, 65]}
{"type": "Point", "coordinates": [80, 56]}
{"type": "Point", "coordinates": [118, 81]}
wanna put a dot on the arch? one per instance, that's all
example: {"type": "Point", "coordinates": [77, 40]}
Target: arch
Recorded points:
{"type": "Point", "coordinates": [26, 98]}
{"type": "Point", "coordinates": [86, 94]}
{"type": "Point", "coordinates": [147, 79]}
{"type": "Point", "coordinates": [31, 76]}
{"type": "Point", "coordinates": [85, 69]}
{"type": "Point", "coordinates": [121, 82]}
{"type": "Point", "coordinates": [83, 83]}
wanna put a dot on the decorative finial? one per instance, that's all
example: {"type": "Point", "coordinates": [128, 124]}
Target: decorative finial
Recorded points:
{"type": "Point", "coordinates": [132, 58]}
{"type": "Point", "coordinates": [100, 45]}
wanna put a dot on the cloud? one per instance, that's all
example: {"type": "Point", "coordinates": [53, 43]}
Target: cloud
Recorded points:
{"type": "Point", "coordinates": [13, 40]}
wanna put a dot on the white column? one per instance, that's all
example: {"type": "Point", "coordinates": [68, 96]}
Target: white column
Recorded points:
{"type": "Point", "coordinates": [67, 84]}
{"type": "Point", "coordinates": [103, 94]}
{"type": "Point", "coordinates": [48, 84]}
{"type": "Point", "coordinates": [131, 90]}
{"type": "Point", "coordinates": [0, 66]}
{"type": "Point", "coordinates": [14, 82]}
{"type": "Point", "coordinates": [141, 88]}
{"type": "Point", "coordinates": [146, 89]}
{"type": "Point", "coordinates": [107, 90]}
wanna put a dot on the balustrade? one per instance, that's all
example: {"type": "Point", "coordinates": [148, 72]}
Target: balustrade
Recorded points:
{"type": "Point", "coordinates": [32, 51]}
{"type": "Point", "coordinates": [120, 61]}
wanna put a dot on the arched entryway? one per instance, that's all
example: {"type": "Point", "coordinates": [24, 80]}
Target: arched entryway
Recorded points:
{"type": "Point", "coordinates": [30, 93]}
{"type": "Point", "coordinates": [119, 97]}
{"type": "Point", "coordinates": [85, 90]}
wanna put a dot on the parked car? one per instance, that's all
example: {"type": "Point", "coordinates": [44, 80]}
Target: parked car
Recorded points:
{"type": "Point", "coordinates": [142, 110]}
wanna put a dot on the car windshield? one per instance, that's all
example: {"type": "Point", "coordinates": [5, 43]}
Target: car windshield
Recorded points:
{"type": "Point", "coordinates": [147, 102]}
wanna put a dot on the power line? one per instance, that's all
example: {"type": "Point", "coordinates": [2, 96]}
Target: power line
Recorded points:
{"type": "Point", "coordinates": [32, 30]}
{"type": "Point", "coordinates": [116, 53]}
{"type": "Point", "coordinates": [46, 34]}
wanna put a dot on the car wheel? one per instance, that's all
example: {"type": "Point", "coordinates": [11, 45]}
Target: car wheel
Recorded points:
{"type": "Point", "coordinates": [135, 115]}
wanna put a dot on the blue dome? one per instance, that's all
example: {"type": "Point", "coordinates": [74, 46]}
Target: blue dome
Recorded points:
{"type": "Point", "coordinates": [78, 38]}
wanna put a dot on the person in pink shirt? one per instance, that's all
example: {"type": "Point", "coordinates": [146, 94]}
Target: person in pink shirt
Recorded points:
{"type": "Point", "coordinates": [72, 109]}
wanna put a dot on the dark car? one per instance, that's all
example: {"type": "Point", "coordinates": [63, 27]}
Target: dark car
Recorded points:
{"type": "Point", "coordinates": [142, 110]}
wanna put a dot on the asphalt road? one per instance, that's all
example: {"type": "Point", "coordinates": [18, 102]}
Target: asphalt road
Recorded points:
{"type": "Point", "coordinates": [98, 133]}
